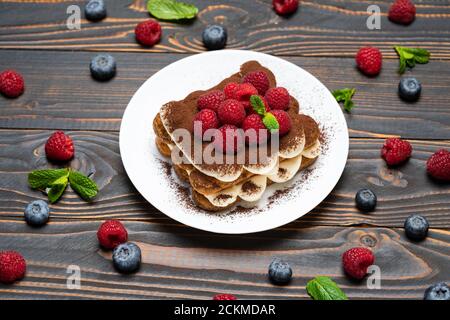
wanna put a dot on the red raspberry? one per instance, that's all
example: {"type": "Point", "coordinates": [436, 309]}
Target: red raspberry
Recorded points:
{"type": "Point", "coordinates": [148, 32]}
{"type": "Point", "coordinates": [59, 147]}
{"type": "Point", "coordinates": [229, 90]}
{"type": "Point", "coordinates": [224, 296]}
{"type": "Point", "coordinates": [228, 139]}
{"type": "Point", "coordinates": [396, 151]}
{"type": "Point", "coordinates": [11, 83]}
{"type": "Point", "coordinates": [438, 165]}
{"type": "Point", "coordinates": [278, 98]}
{"type": "Point", "coordinates": [284, 120]}
{"type": "Point", "coordinates": [369, 60]}
{"type": "Point", "coordinates": [254, 122]}
{"type": "Point", "coordinates": [232, 112]}
{"type": "Point", "coordinates": [402, 11]}
{"type": "Point", "coordinates": [12, 266]}
{"type": "Point", "coordinates": [250, 109]}
{"type": "Point", "coordinates": [285, 7]}
{"type": "Point", "coordinates": [211, 100]}
{"type": "Point", "coordinates": [259, 80]}
{"type": "Point", "coordinates": [111, 233]}
{"type": "Point", "coordinates": [208, 119]}
{"type": "Point", "coordinates": [243, 93]}
{"type": "Point", "coordinates": [356, 261]}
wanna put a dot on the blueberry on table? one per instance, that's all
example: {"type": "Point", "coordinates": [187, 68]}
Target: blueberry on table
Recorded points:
{"type": "Point", "coordinates": [214, 37]}
{"type": "Point", "coordinates": [438, 291]}
{"type": "Point", "coordinates": [127, 257]}
{"type": "Point", "coordinates": [416, 227]}
{"type": "Point", "coordinates": [95, 10]}
{"type": "Point", "coordinates": [366, 200]}
{"type": "Point", "coordinates": [409, 89]}
{"type": "Point", "coordinates": [103, 67]}
{"type": "Point", "coordinates": [37, 213]}
{"type": "Point", "coordinates": [279, 271]}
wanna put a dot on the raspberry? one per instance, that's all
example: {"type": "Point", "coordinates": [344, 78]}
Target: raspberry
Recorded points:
{"type": "Point", "coordinates": [229, 90]}
{"type": "Point", "coordinates": [284, 120]}
{"type": "Point", "coordinates": [259, 80]}
{"type": "Point", "coordinates": [228, 139]}
{"type": "Point", "coordinates": [211, 100]}
{"type": "Point", "coordinates": [278, 98]}
{"type": "Point", "coordinates": [243, 93]}
{"type": "Point", "coordinates": [285, 7]}
{"type": "Point", "coordinates": [232, 112]}
{"type": "Point", "coordinates": [224, 296]}
{"type": "Point", "coordinates": [208, 119]}
{"type": "Point", "coordinates": [254, 122]}
{"type": "Point", "coordinates": [438, 165]}
{"type": "Point", "coordinates": [112, 233]}
{"type": "Point", "coordinates": [148, 32]}
{"type": "Point", "coordinates": [369, 60]}
{"type": "Point", "coordinates": [356, 261]}
{"type": "Point", "coordinates": [402, 11]}
{"type": "Point", "coordinates": [12, 266]}
{"type": "Point", "coordinates": [59, 147]}
{"type": "Point", "coordinates": [396, 151]}
{"type": "Point", "coordinates": [11, 84]}
{"type": "Point", "coordinates": [250, 109]}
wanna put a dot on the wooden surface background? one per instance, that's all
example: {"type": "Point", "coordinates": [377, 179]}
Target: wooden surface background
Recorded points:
{"type": "Point", "coordinates": [181, 262]}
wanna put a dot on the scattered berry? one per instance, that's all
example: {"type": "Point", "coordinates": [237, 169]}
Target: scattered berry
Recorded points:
{"type": "Point", "coordinates": [285, 7]}
{"type": "Point", "coordinates": [37, 213]}
{"type": "Point", "coordinates": [279, 271]}
{"type": "Point", "coordinates": [148, 32]}
{"type": "Point", "coordinates": [278, 98]}
{"type": "Point", "coordinates": [208, 120]}
{"type": "Point", "coordinates": [438, 165]}
{"type": "Point", "coordinates": [224, 296]}
{"type": "Point", "coordinates": [111, 233]}
{"type": "Point", "coordinates": [369, 60]}
{"type": "Point", "coordinates": [229, 90]}
{"type": "Point", "coordinates": [438, 291]}
{"type": "Point", "coordinates": [396, 151]}
{"type": "Point", "coordinates": [259, 80]}
{"type": "Point", "coordinates": [214, 37]}
{"type": "Point", "coordinates": [409, 89]}
{"type": "Point", "coordinates": [12, 266]}
{"type": "Point", "coordinates": [228, 139]}
{"type": "Point", "coordinates": [416, 227]}
{"type": "Point", "coordinates": [95, 10]}
{"type": "Point", "coordinates": [402, 11]}
{"type": "Point", "coordinates": [356, 261]}
{"type": "Point", "coordinates": [259, 135]}
{"type": "Point", "coordinates": [126, 257]}
{"type": "Point", "coordinates": [284, 120]}
{"type": "Point", "coordinates": [211, 100]}
{"type": "Point", "coordinates": [366, 200]}
{"type": "Point", "coordinates": [11, 84]}
{"type": "Point", "coordinates": [243, 93]}
{"type": "Point", "coordinates": [59, 147]}
{"type": "Point", "coordinates": [232, 112]}
{"type": "Point", "coordinates": [103, 67]}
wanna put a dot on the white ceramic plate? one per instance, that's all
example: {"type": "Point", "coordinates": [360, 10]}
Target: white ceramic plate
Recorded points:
{"type": "Point", "coordinates": [153, 178]}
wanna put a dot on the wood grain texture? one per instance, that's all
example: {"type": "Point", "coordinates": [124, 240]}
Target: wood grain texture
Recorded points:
{"type": "Point", "coordinates": [68, 98]}
{"type": "Point", "coordinates": [401, 191]}
{"type": "Point", "coordinates": [320, 28]}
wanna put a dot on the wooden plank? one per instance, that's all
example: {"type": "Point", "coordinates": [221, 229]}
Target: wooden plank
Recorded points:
{"type": "Point", "coordinates": [401, 191]}
{"type": "Point", "coordinates": [60, 93]}
{"type": "Point", "coordinates": [320, 28]}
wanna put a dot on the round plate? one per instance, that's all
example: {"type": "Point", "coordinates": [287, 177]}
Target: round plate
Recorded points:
{"type": "Point", "coordinates": [153, 177]}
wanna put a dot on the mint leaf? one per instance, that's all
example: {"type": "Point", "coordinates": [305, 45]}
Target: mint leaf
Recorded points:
{"type": "Point", "coordinates": [56, 191]}
{"type": "Point", "coordinates": [258, 105]}
{"type": "Point", "coordinates": [85, 187]}
{"type": "Point", "coordinates": [270, 122]}
{"type": "Point", "coordinates": [171, 9]}
{"type": "Point", "coordinates": [323, 288]}
{"type": "Point", "coordinates": [42, 179]}
{"type": "Point", "coordinates": [410, 56]}
{"type": "Point", "coordinates": [345, 95]}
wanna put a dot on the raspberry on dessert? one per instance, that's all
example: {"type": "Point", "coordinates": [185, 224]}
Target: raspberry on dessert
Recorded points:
{"type": "Point", "coordinates": [232, 112]}
{"type": "Point", "coordinates": [396, 151]}
{"type": "Point", "coordinates": [254, 129]}
{"type": "Point", "coordinates": [259, 80]}
{"type": "Point", "coordinates": [208, 120]}
{"type": "Point", "coordinates": [11, 83]}
{"type": "Point", "coordinates": [211, 100]}
{"type": "Point", "coordinates": [148, 32]}
{"type": "Point", "coordinates": [224, 296]}
{"type": "Point", "coordinates": [278, 98]}
{"type": "Point", "coordinates": [228, 139]}
{"type": "Point", "coordinates": [438, 165]}
{"type": "Point", "coordinates": [250, 110]}
{"type": "Point", "coordinates": [402, 11]}
{"type": "Point", "coordinates": [229, 90]}
{"type": "Point", "coordinates": [285, 7]}
{"type": "Point", "coordinates": [369, 60]}
{"type": "Point", "coordinates": [59, 147]}
{"type": "Point", "coordinates": [12, 266]}
{"type": "Point", "coordinates": [243, 93]}
{"type": "Point", "coordinates": [284, 121]}
{"type": "Point", "coordinates": [111, 233]}
{"type": "Point", "coordinates": [356, 261]}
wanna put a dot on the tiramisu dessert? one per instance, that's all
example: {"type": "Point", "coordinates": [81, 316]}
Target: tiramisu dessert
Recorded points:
{"type": "Point", "coordinates": [233, 140]}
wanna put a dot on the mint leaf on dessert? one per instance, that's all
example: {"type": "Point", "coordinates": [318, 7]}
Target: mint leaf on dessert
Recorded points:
{"type": "Point", "coordinates": [323, 288]}
{"type": "Point", "coordinates": [345, 95]}
{"type": "Point", "coordinates": [258, 105]}
{"type": "Point", "coordinates": [270, 122]}
{"type": "Point", "coordinates": [171, 9]}
{"type": "Point", "coordinates": [42, 179]}
{"type": "Point", "coordinates": [410, 56]}
{"type": "Point", "coordinates": [85, 187]}
{"type": "Point", "coordinates": [56, 191]}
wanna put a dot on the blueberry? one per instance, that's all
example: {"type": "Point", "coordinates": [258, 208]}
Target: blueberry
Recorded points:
{"type": "Point", "coordinates": [409, 89]}
{"type": "Point", "coordinates": [279, 271]}
{"type": "Point", "coordinates": [366, 200]}
{"type": "Point", "coordinates": [127, 257]}
{"type": "Point", "coordinates": [416, 227]}
{"type": "Point", "coordinates": [95, 10]}
{"type": "Point", "coordinates": [438, 291]}
{"type": "Point", "coordinates": [103, 67]}
{"type": "Point", "coordinates": [214, 37]}
{"type": "Point", "coordinates": [36, 213]}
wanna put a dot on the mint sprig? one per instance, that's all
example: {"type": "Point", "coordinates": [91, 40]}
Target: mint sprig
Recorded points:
{"type": "Point", "coordinates": [410, 56]}
{"type": "Point", "coordinates": [258, 105]}
{"type": "Point", "coordinates": [345, 95]}
{"type": "Point", "coordinates": [171, 9]}
{"type": "Point", "coordinates": [323, 288]}
{"type": "Point", "coordinates": [85, 187]}
{"type": "Point", "coordinates": [269, 120]}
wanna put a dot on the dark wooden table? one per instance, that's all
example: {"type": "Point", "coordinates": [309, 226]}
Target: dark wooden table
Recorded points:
{"type": "Point", "coordinates": [181, 262]}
